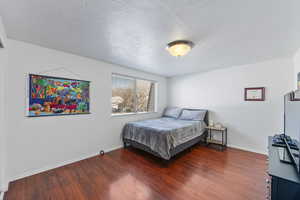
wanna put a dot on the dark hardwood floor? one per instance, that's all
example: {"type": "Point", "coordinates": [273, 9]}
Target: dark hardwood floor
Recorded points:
{"type": "Point", "coordinates": [202, 173]}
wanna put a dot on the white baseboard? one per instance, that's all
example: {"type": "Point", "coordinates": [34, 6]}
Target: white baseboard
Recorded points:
{"type": "Point", "coordinates": [247, 149]}
{"type": "Point", "coordinates": [114, 148]}
{"type": "Point", "coordinates": [4, 187]}
{"type": "Point", "coordinates": [1, 195]}
{"type": "Point", "coordinates": [37, 171]}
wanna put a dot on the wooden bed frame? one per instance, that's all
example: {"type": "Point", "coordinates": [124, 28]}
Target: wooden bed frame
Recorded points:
{"type": "Point", "coordinates": [202, 138]}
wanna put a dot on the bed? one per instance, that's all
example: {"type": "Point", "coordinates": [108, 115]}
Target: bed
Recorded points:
{"type": "Point", "coordinates": [166, 136]}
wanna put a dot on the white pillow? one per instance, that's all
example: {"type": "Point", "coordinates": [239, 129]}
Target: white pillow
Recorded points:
{"type": "Point", "coordinates": [172, 112]}
{"type": "Point", "coordinates": [195, 115]}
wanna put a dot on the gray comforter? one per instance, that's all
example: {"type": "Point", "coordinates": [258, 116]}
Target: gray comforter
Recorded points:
{"type": "Point", "coordinates": [163, 134]}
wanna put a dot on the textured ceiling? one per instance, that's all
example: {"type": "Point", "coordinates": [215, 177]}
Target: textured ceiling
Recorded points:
{"type": "Point", "coordinates": [134, 33]}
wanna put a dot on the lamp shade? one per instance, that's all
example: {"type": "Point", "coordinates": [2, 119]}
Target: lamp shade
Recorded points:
{"type": "Point", "coordinates": [179, 47]}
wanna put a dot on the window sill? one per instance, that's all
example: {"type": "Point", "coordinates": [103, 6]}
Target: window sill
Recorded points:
{"type": "Point", "coordinates": [131, 114]}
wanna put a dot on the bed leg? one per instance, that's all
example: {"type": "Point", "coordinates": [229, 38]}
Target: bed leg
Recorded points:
{"type": "Point", "coordinates": [205, 138]}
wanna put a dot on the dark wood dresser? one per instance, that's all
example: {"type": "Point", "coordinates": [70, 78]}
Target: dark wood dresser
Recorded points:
{"type": "Point", "coordinates": [284, 181]}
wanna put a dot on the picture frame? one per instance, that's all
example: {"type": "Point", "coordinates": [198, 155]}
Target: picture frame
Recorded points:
{"type": "Point", "coordinates": [54, 96]}
{"type": "Point", "coordinates": [294, 96]}
{"type": "Point", "coordinates": [254, 94]}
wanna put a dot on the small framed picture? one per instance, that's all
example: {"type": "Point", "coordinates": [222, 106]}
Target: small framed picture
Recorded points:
{"type": "Point", "coordinates": [255, 94]}
{"type": "Point", "coordinates": [295, 95]}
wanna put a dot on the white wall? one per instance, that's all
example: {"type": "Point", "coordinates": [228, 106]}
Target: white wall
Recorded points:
{"type": "Point", "coordinates": [222, 92]}
{"type": "Point", "coordinates": [296, 67]}
{"type": "Point", "coordinates": [36, 144]}
{"type": "Point", "coordinates": [3, 64]}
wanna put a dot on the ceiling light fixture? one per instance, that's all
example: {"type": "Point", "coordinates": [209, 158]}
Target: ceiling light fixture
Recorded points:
{"type": "Point", "coordinates": [179, 47]}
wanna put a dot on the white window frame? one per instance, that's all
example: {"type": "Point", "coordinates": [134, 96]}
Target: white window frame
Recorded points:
{"type": "Point", "coordinates": [135, 96]}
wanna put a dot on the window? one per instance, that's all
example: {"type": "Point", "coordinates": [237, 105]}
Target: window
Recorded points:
{"type": "Point", "coordinates": [132, 95]}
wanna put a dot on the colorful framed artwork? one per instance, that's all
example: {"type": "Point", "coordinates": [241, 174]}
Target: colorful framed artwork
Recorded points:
{"type": "Point", "coordinates": [52, 96]}
{"type": "Point", "coordinates": [254, 94]}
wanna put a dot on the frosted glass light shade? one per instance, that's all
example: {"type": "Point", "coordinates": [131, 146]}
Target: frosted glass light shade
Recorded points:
{"type": "Point", "coordinates": [179, 47]}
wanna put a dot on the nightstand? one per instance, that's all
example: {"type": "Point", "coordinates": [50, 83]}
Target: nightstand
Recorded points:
{"type": "Point", "coordinates": [222, 131]}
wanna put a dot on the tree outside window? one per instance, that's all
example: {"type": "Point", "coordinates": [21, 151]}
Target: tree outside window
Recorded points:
{"type": "Point", "coordinates": [132, 95]}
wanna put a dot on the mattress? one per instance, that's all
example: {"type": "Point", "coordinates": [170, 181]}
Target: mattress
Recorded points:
{"type": "Point", "coordinates": [163, 134]}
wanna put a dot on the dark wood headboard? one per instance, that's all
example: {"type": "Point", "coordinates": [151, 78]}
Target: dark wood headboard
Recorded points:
{"type": "Point", "coordinates": [206, 118]}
